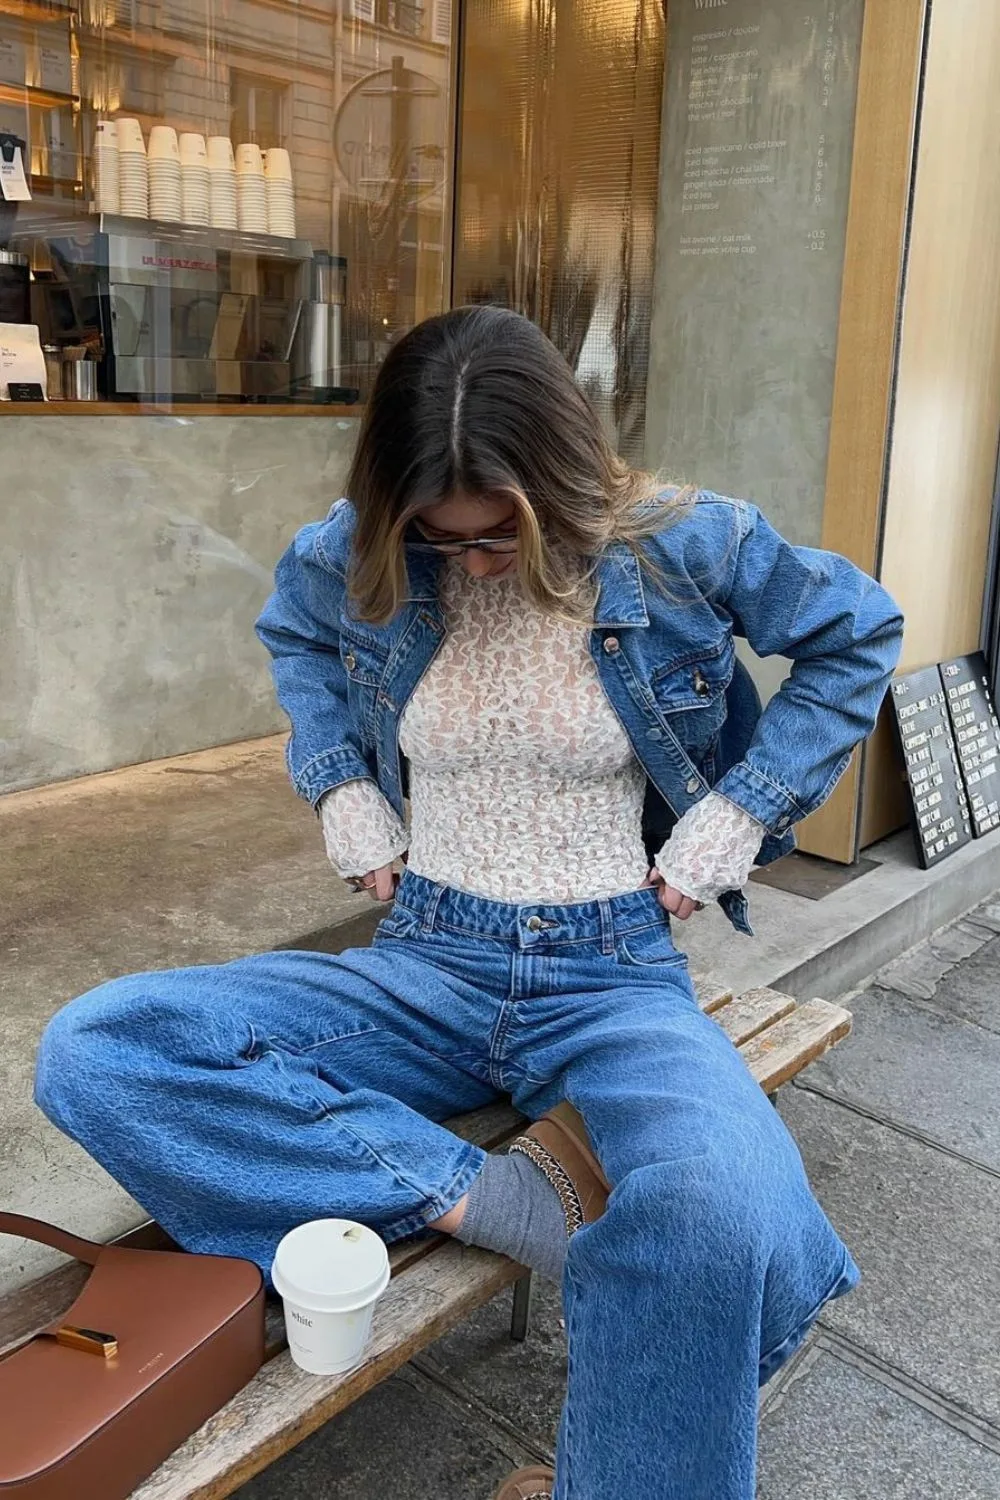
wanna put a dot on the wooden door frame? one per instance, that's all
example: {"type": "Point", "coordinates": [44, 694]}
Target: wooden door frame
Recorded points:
{"type": "Point", "coordinates": [882, 165]}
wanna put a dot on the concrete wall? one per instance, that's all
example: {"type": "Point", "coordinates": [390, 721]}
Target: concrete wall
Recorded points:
{"type": "Point", "coordinates": [135, 553]}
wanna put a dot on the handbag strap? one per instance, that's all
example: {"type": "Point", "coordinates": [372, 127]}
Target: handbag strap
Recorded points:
{"type": "Point", "coordinates": [48, 1234]}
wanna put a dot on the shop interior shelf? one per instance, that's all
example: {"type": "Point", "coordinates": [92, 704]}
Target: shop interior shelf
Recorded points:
{"type": "Point", "coordinates": [36, 12]}
{"type": "Point", "coordinates": [172, 409]}
{"type": "Point", "coordinates": [13, 93]}
{"type": "Point", "coordinates": [40, 182]}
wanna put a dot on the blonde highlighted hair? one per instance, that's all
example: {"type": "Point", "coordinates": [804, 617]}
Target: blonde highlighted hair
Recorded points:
{"type": "Point", "coordinates": [478, 402]}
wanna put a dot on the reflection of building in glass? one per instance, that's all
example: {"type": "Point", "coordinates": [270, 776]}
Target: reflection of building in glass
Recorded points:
{"type": "Point", "coordinates": [557, 182]}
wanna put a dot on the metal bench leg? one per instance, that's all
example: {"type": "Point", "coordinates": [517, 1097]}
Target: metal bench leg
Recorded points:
{"type": "Point", "coordinates": [520, 1316]}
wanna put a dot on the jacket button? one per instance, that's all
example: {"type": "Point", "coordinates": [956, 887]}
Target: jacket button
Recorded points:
{"type": "Point", "coordinates": [611, 645]}
{"type": "Point", "coordinates": [350, 661]}
{"type": "Point", "coordinates": [534, 924]}
{"type": "Point", "coordinates": [693, 785]}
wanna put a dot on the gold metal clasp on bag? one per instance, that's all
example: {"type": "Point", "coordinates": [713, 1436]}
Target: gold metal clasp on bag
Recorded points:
{"type": "Point", "coordinates": [89, 1340]}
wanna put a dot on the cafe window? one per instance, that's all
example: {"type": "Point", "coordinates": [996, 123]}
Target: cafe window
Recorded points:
{"type": "Point", "coordinates": [238, 201]}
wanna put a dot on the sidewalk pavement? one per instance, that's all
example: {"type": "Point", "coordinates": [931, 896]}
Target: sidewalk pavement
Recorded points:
{"type": "Point", "coordinates": [895, 1395]}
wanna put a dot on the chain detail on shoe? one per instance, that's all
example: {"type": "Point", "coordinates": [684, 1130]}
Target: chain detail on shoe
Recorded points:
{"type": "Point", "coordinates": [560, 1179]}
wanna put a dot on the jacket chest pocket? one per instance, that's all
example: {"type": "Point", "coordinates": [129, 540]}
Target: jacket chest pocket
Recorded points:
{"type": "Point", "coordinates": [365, 665]}
{"type": "Point", "coordinates": [692, 698]}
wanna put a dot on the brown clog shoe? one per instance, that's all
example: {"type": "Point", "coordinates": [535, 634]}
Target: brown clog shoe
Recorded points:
{"type": "Point", "coordinates": [528, 1484]}
{"type": "Point", "coordinates": [560, 1147]}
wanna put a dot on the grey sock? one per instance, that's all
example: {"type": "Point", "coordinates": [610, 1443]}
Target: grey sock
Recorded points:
{"type": "Point", "coordinates": [514, 1208]}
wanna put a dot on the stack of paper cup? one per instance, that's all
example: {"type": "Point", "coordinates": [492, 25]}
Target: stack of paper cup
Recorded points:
{"type": "Point", "coordinates": [164, 173]}
{"type": "Point", "coordinates": [251, 197]}
{"type": "Point", "coordinates": [107, 196]}
{"type": "Point", "coordinates": [133, 170]}
{"type": "Point", "coordinates": [221, 182]}
{"type": "Point", "coordinates": [280, 193]}
{"type": "Point", "coordinates": [194, 179]}
{"type": "Point", "coordinates": [329, 1273]}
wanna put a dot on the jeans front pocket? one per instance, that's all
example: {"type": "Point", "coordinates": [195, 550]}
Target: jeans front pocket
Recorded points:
{"type": "Point", "coordinates": [649, 948]}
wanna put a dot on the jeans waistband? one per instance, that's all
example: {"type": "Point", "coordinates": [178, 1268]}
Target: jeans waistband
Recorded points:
{"type": "Point", "coordinates": [530, 924]}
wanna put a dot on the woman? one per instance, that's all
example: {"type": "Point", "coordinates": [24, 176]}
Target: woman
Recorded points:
{"type": "Point", "coordinates": [510, 624]}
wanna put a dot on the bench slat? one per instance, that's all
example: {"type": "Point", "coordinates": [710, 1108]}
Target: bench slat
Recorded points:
{"type": "Point", "coordinates": [711, 997]}
{"type": "Point", "coordinates": [282, 1405]}
{"type": "Point", "coordinates": [781, 1051]}
{"type": "Point", "coordinates": [751, 1012]}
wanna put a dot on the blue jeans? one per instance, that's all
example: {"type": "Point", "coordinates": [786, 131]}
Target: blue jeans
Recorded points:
{"type": "Point", "coordinates": [235, 1102]}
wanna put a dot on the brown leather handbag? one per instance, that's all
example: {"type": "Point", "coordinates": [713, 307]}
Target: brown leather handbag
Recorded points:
{"type": "Point", "coordinates": [154, 1344]}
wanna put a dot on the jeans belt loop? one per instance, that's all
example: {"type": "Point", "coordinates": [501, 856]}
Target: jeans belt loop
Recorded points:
{"type": "Point", "coordinates": [607, 927]}
{"type": "Point", "coordinates": [430, 910]}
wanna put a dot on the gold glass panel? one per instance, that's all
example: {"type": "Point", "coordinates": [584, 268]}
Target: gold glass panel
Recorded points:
{"type": "Point", "coordinates": [557, 182]}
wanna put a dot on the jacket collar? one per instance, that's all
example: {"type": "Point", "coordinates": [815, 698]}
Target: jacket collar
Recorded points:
{"type": "Point", "coordinates": [620, 601]}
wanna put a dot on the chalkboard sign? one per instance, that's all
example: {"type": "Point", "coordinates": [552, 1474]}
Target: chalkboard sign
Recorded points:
{"type": "Point", "coordinates": [977, 736]}
{"type": "Point", "coordinates": [937, 789]}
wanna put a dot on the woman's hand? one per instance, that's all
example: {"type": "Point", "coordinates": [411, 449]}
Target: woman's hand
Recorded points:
{"type": "Point", "coordinates": [673, 901]}
{"type": "Point", "coordinates": [380, 884]}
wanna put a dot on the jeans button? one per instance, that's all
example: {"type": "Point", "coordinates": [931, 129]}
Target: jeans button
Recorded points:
{"type": "Point", "coordinates": [611, 645]}
{"type": "Point", "coordinates": [350, 661]}
{"type": "Point", "coordinates": [534, 924]}
{"type": "Point", "coordinates": [693, 785]}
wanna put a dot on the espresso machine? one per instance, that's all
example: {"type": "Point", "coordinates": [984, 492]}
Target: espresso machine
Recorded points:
{"type": "Point", "coordinates": [199, 313]}
{"type": "Point", "coordinates": [184, 313]}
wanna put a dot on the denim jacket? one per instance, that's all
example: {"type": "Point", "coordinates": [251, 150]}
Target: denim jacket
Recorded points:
{"type": "Point", "coordinates": [665, 657]}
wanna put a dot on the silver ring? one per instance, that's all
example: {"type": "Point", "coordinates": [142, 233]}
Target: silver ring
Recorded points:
{"type": "Point", "coordinates": [357, 884]}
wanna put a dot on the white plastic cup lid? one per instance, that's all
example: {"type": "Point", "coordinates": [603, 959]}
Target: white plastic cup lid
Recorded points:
{"type": "Point", "coordinates": [331, 1265]}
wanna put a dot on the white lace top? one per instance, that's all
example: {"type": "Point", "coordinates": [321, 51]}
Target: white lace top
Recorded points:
{"type": "Point", "coordinates": [523, 784]}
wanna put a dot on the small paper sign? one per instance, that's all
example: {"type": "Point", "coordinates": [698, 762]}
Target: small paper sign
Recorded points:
{"type": "Point", "coordinates": [21, 358]}
{"type": "Point", "coordinates": [13, 183]}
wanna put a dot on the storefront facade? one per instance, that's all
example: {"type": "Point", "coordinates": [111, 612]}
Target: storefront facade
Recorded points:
{"type": "Point", "coordinates": [762, 242]}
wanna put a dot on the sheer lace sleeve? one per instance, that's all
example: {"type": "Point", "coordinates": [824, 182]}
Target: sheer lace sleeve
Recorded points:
{"type": "Point", "coordinates": [711, 850]}
{"type": "Point", "coordinates": [361, 831]}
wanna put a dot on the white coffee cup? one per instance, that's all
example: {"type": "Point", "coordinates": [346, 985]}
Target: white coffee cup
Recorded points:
{"type": "Point", "coordinates": [220, 152]}
{"type": "Point", "coordinates": [129, 133]}
{"type": "Point", "coordinates": [278, 165]}
{"type": "Point", "coordinates": [193, 150]}
{"type": "Point", "coordinates": [250, 159]}
{"type": "Point", "coordinates": [163, 143]}
{"type": "Point", "coordinates": [329, 1274]}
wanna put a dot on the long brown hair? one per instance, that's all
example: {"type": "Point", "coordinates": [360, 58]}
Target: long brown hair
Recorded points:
{"type": "Point", "coordinates": [478, 402]}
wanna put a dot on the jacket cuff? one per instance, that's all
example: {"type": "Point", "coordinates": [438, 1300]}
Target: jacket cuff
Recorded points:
{"type": "Point", "coordinates": [326, 771]}
{"type": "Point", "coordinates": [773, 806]}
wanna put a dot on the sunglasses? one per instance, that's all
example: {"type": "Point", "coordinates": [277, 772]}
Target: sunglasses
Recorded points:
{"type": "Point", "coordinates": [497, 544]}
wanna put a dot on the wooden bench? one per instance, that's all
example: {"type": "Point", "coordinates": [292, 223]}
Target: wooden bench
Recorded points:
{"type": "Point", "coordinates": [436, 1282]}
